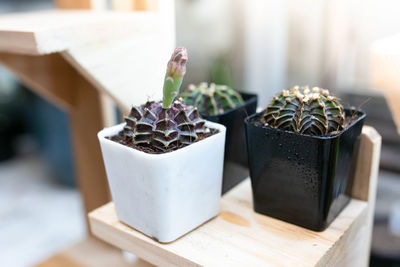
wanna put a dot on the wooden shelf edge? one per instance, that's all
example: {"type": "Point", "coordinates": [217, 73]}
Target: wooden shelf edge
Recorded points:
{"type": "Point", "coordinates": [44, 32]}
{"type": "Point", "coordinates": [227, 230]}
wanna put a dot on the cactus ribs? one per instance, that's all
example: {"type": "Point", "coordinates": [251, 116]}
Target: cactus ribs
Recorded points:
{"type": "Point", "coordinates": [305, 111]}
{"type": "Point", "coordinates": [211, 99]}
{"type": "Point", "coordinates": [154, 129]}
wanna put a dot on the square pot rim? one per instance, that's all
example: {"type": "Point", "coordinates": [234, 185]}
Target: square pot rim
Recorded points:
{"type": "Point", "coordinates": [323, 137]}
{"type": "Point", "coordinates": [102, 134]}
{"type": "Point", "coordinates": [252, 98]}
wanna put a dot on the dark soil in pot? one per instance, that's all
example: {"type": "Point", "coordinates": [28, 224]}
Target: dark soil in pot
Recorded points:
{"type": "Point", "coordinates": [235, 162]}
{"type": "Point", "coordinates": [154, 129]}
{"type": "Point", "coordinates": [149, 148]}
{"type": "Point", "coordinates": [302, 179]}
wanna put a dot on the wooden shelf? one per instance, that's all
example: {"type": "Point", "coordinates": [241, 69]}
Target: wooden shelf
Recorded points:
{"type": "Point", "coordinates": [240, 237]}
{"type": "Point", "coordinates": [237, 236]}
{"type": "Point", "coordinates": [87, 61]}
{"type": "Point", "coordinates": [92, 252]}
{"type": "Point", "coordinates": [59, 30]}
{"type": "Point", "coordinates": [100, 45]}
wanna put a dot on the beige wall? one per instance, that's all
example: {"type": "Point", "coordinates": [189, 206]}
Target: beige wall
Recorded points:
{"type": "Point", "coordinates": [274, 44]}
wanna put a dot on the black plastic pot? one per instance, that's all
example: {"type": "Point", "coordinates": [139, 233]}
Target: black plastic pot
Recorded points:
{"type": "Point", "coordinates": [301, 179]}
{"type": "Point", "coordinates": [235, 162]}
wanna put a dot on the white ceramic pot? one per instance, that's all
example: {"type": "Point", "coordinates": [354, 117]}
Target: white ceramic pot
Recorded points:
{"type": "Point", "coordinates": [165, 195]}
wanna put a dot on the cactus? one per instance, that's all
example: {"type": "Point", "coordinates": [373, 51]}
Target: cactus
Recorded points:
{"type": "Point", "coordinates": [213, 99]}
{"type": "Point", "coordinates": [168, 124]}
{"type": "Point", "coordinates": [305, 111]}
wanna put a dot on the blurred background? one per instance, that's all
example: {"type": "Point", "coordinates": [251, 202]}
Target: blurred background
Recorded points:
{"type": "Point", "coordinates": [254, 46]}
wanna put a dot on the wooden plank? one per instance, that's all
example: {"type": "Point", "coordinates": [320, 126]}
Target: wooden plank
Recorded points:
{"type": "Point", "coordinates": [82, 4]}
{"type": "Point", "coordinates": [86, 120]}
{"type": "Point", "coordinates": [123, 54]}
{"type": "Point", "coordinates": [385, 72]}
{"type": "Point", "coordinates": [47, 75]}
{"type": "Point", "coordinates": [109, 110]}
{"type": "Point", "coordinates": [367, 165]}
{"type": "Point", "coordinates": [52, 77]}
{"type": "Point", "coordinates": [59, 30]}
{"type": "Point", "coordinates": [106, 62]}
{"type": "Point", "coordinates": [92, 253]}
{"type": "Point", "coordinates": [239, 236]}
{"type": "Point", "coordinates": [108, 105]}
{"type": "Point", "coordinates": [74, 4]}
{"type": "Point", "coordinates": [130, 70]}
{"type": "Point", "coordinates": [355, 251]}
{"type": "Point", "coordinates": [143, 5]}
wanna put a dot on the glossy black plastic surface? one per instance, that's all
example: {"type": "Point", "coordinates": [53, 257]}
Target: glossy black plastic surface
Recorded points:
{"type": "Point", "coordinates": [235, 162]}
{"type": "Point", "coordinates": [301, 179]}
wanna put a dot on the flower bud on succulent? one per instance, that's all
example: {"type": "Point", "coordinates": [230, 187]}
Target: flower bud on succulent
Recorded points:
{"type": "Point", "coordinates": [168, 124]}
{"type": "Point", "coordinates": [211, 99]}
{"type": "Point", "coordinates": [176, 69]}
{"type": "Point", "coordinates": [305, 111]}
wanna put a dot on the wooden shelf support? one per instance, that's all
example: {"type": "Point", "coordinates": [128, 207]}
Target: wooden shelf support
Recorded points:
{"type": "Point", "coordinates": [83, 61]}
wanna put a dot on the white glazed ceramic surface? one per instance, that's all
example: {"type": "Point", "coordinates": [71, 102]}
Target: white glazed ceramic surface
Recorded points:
{"type": "Point", "coordinates": [165, 195]}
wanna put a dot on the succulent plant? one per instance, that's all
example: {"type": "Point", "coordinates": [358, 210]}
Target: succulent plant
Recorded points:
{"type": "Point", "coordinates": [305, 111]}
{"type": "Point", "coordinates": [168, 124]}
{"type": "Point", "coordinates": [211, 99]}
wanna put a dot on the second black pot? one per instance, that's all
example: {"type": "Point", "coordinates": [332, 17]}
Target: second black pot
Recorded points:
{"type": "Point", "coordinates": [301, 179]}
{"type": "Point", "coordinates": [235, 162]}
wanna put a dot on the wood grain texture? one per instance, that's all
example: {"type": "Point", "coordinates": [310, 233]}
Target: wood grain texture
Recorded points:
{"type": "Point", "coordinates": [52, 77]}
{"type": "Point", "coordinates": [86, 120]}
{"type": "Point", "coordinates": [355, 251]}
{"type": "Point", "coordinates": [47, 75]}
{"type": "Point", "coordinates": [367, 166]}
{"type": "Point", "coordinates": [59, 30]}
{"type": "Point", "coordinates": [241, 237]}
{"type": "Point", "coordinates": [102, 57]}
{"type": "Point", "coordinates": [91, 253]}
{"type": "Point", "coordinates": [130, 69]}
{"type": "Point", "coordinates": [252, 240]}
{"type": "Point", "coordinates": [108, 105]}
{"type": "Point", "coordinates": [364, 189]}
{"type": "Point", "coordinates": [123, 54]}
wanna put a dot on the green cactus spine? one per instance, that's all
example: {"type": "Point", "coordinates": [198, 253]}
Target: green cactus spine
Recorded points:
{"type": "Point", "coordinates": [305, 111]}
{"type": "Point", "coordinates": [168, 124]}
{"type": "Point", "coordinates": [211, 99]}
